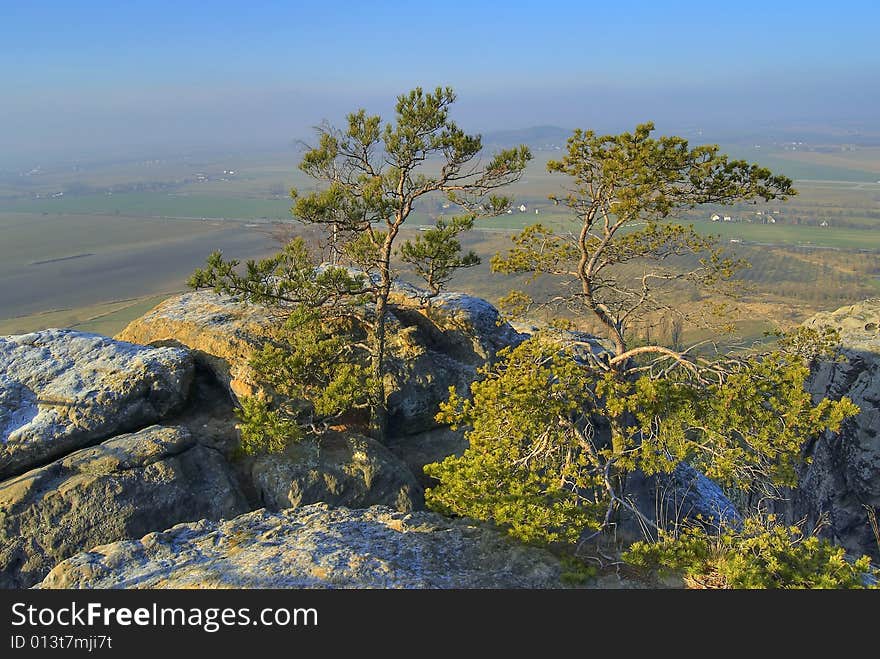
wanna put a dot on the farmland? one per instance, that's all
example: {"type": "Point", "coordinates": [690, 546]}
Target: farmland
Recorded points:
{"type": "Point", "coordinates": [94, 246]}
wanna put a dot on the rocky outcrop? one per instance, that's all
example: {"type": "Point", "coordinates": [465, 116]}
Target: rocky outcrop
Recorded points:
{"type": "Point", "coordinates": [122, 488]}
{"type": "Point", "coordinates": [420, 373]}
{"type": "Point", "coordinates": [584, 347]}
{"type": "Point", "coordinates": [843, 480]}
{"type": "Point", "coordinates": [61, 390]}
{"type": "Point", "coordinates": [472, 326]}
{"type": "Point", "coordinates": [430, 347]}
{"type": "Point", "coordinates": [83, 463]}
{"type": "Point", "coordinates": [315, 547]}
{"type": "Point", "coordinates": [341, 469]}
{"type": "Point", "coordinates": [220, 332]}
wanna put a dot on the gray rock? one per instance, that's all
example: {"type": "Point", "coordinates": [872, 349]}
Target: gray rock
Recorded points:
{"type": "Point", "coordinates": [122, 488]}
{"type": "Point", "coordinates": [470, 321]}
{"type": "Point", "coordinates": [683, 496]}
{"type": "Point", "coordinates": [432, 348]}
{"type": "Point", "coordinates": [687, 494]}
{"type": "Point", "coordinates": [427, 447]}
{"type": "Point", "coordinates": [340, 469]}
{"type": "Point", "coordinates": [315, 547]}
{"type": "Point", "coordinates": [584, 347]}
{"type": "Point", "coordinates": [61, 390]}
{"type": "Point", "coordinates": [842, 483]}
{"type": "Point", "coordinates": [419, 381]}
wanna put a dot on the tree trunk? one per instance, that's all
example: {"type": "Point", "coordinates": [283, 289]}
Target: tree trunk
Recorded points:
{"type": "Point", "coordinates": [378, 405]}
{"type": "Point", "coordinates": [378, 408]}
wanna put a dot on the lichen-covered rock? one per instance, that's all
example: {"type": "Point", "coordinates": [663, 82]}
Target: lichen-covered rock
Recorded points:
{"type": "Point", "coordinates": [61, 390]}
{"type": "Point", "coordinates": [434, 347]}
{"type": "Point", "coordinates": [315, 547]}
{"type": "Point", "coordinates": [418, 380]}
{"type": "Point", "coordinates": [123, 488]}
{"type": "Point", "coordinates": [843, 480]}
{"type": "Point", "coordinates": [584, 347]}
{"type": "Point", "coordinates": [341, 469]}
{"type": "Point", "coordinates": [858, 324]}
{"type": "Point", "coordinates": [221, 332]}
{"type": "Point", "coordinates": [471, 322]}
{"type": "Point", "coordinates": [479, 320]}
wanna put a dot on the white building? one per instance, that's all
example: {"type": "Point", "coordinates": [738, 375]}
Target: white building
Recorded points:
{"type": "Point", "coordinates": [522, 208]}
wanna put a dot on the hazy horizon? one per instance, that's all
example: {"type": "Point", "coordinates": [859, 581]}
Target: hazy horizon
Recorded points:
{"type": "Point", "coordinates": [105, 81]}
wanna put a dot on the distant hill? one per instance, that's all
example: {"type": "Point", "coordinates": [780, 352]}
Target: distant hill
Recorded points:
{"type": "Point", "coordinates": [536, 137]}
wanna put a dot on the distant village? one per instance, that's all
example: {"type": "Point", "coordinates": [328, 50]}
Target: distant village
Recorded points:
{"type": "Point", "coordinates": [75, 189]}
{"type": "Point", "coordinates": [758, 217]}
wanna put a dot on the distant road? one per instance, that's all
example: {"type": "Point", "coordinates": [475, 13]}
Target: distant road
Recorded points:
{"type": "Point", "coordinates": [63, 258]}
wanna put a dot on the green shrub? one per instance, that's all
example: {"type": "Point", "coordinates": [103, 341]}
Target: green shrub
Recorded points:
{"type": "Point", "coordinates": [551, 438]}
{"type": "Point", "coordinates": [264, 430]}
{"type": "Point", "coordinates": [524, 469]}
{"type": "Point", "coordinates": [762, 554]}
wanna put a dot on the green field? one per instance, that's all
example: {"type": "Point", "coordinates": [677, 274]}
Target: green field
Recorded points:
{"type": "Point", "coordinates": [800, 236]}
{"type": "Point", "coordinates": [124, 234]}
{"type": "Point", "coordinates": [73, 263]}
{"type": "Point", "coordinates": [801, 167]}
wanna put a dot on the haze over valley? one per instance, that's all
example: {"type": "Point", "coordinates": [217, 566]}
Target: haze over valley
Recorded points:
{"type": "Point", "coordinates": [93, 244]}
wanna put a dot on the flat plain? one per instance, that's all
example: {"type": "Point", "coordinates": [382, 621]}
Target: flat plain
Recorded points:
{"type": "Point", "coordinates": [95, 246]}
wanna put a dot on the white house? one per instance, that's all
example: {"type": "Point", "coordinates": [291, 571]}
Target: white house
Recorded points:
{"type": "Point", "coordinates": [522, 208]}
{"type": "Point", "coordinates": [715, 217]}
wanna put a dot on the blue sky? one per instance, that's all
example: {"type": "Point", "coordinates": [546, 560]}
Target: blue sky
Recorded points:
{"type": "Point", "coordinates": [82, 75]}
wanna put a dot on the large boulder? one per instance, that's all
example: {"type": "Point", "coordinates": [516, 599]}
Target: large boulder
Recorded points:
{"type": "Point", "coordinates": [472, 327]}
{"type": "Point", "coordinates": [420, 374]}
{"type": "Point", "coordinates": [61, 390]}
{"type": "Point", "coordinates": [341, 469]}
{"type": "Point", "coordinates": [123, 488]}
{"type": "Point", "coordinates": [431, 347]}
{"type": "Point", "coordinates": [436, 345]}
{"type": "Point", "coordinates": [842, 482]}
{"type": "Point", "coordinates": [315, 547]}
{"type": "Point", "coordinates": [221, 332]}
